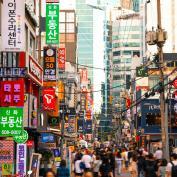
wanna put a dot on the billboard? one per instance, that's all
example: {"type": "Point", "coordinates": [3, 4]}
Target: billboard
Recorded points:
{"type": "Point", "coordinates": [11, 121]}
{"type": "Point", "coordinates": [80, 125]}
{"type": "Point", "coordinates": [88, 126]}
{"type": "Point", "coordinates": [12, 93]}
{"type": "Point", "coordinates": [52, 23]}
{"type": "Point", "coordinates": [13, 25]}
{"type": "Point", "coordinates": [49, 64]}
{"type": "Point", "coordinates": [61, 58]}
{"type": "Point", "coordinates": [21, 159]}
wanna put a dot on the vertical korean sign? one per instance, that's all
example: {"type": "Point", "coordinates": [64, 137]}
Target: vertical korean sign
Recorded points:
{"type": "Point", "coordinates": [21, 159]}
{"type": "Point", "coordinates": [61, 58]}
{"type": "Point", "coordinates": [13, 25]}
{"type": "Point", "coordinates": [11, 121]}
{"type": "Point", "coordinates": [52, 23]}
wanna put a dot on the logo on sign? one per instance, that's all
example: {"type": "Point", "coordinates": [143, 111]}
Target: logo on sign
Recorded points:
{"type": "Point", "coordinates": [49, 99]}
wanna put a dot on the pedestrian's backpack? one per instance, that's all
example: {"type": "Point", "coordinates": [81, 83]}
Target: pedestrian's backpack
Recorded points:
{"type": "Point", "coordinates": [82, 165]}
{"type": "Point", "coordinates": [173, 170]}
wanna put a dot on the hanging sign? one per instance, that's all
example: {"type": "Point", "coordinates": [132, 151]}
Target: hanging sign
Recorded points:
{"type": "Point", "coordinates": [11, 121]}
{"type": "Point", "coordinates": [12, 93]}
{"type": "Point", "coordinates": [52, 23]}
{"type": "Point", "coordinates": [22, 138]}
{"type": "Point", "coordinates": [61, 58]}
{"type": "Point", "coordinates": [175, 83]}
{"type": "Point", "coordinates": [21, 159]}
{"type": "Point", "coordinates": [49, 64]}
{"type": "Point", "coordinates": [49, 99]}
{"type": "Point", "coordinates": [13, 25]}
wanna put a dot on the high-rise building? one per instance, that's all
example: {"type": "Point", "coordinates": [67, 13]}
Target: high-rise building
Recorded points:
{"type": "Point", "coordinates": [126, 43]}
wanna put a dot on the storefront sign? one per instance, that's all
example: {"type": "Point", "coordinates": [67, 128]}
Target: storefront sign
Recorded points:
{"type": "Point", "coordinates": [61, 58]}
{"type": "Point", "coordinates": [11, 121]}
{"type": "Point", "coordinates": [47, 145]}
{"type": "Point", "coordinates": [12, 93]}
{"type": "Point", "coordinates": [141, 71]}
{"type": "Point", "coordinates": [49, 64]}
{"type": "Point", "coordinates": [7, 169]}
{"type": "Point", "coordinates": [35, 70]}
{"type": "Point", "coordinates": [61, 90]}
{"type": "Point", "coordinates": [53, 121]}
{"type": "Point", "coordinates": [80, 125]}
{"type": "Point", "coordinates": [12, 72]}
{"type": "Point", "coordinates": [21, 160]}
{"type": "Point", "coordinates": [13, 28]}
{"type": "Point", "coordinates": [22, 138]}
{"type": "Point", "coordinates": [47, 138]}
{"type": "Point", "coordinates": [30, 143]}
{"type": "Point", "coordinates": [6, 151]}
{"type": "Point", "coordinates": [49, 99]}
{"type": "Point", "coordinates": [52, 23]}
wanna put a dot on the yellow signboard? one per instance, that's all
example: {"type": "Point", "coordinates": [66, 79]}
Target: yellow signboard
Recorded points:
{"type": "Point", "coordinates": [7, 169]}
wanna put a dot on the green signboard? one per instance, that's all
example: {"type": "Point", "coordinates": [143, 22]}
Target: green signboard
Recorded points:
{"type": "Point", "coordinates": [22, 138]}
{"type": "Point", "coordinates": [141, 71]}
{"type": "Point", "coordinates": [11, 121]}
{"type": "Point", "coordinates": [52, 23]}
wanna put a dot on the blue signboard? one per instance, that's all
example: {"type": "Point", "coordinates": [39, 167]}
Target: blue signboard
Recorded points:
{"type": "Point", "coordinates": [47, 138]}
{"type": "Point", "coordinates": [80, 125]}
{"type": "Point", "coordinates": [88, 127]}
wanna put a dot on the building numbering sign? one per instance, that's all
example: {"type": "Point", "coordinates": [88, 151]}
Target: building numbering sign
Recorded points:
{"type": "Point", "coordinates": [11, 121]}
{"type": "Point", "coordinates": [52, 23]}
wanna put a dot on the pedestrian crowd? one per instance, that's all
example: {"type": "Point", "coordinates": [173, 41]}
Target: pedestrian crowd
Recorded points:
{"type": "Point", "coordinates": [112, 162]}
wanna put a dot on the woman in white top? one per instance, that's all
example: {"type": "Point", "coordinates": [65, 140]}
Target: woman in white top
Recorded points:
{"type": "Point", "coordinates": [96, 165]}
{"type": "Point", "coordinates": [119, 161]}
{"type": "Point", "coordinates": [77, 168]}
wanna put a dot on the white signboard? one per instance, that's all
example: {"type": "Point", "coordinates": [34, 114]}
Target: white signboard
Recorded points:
{"type": "Point", "coordinates": [21, 160]}
{"type": "Point", "coordinates": [13, 25]}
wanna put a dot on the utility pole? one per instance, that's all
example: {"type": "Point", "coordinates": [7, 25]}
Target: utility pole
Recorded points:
{"type": "Point", "coordinates": [164, 124]}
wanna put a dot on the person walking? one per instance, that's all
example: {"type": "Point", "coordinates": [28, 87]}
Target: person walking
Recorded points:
{"type": "Point", "coordinates": [77, 167]}
{"type": "Point", "coordinates": [150, 166]}
{"type": "Point", "coordinates": [119, 161]}
{"type": "Point", "coordinates": [171, 169]}
{"type": "Point", "coordinates": [105, 168]}
{"type": "Point", "coordinates": [162, 168]}
{"type": "Point", "coordinates": [158, 154]}
{"type": "Point", "coordinates": [49, 173]}
{"type": "Point", "coordinates": [133, 169]}
{"type": "Point", "coordinates": [63, 171]}
{"type": "Point", "coordinates": [87, 160]}
{"type": "Point", "coordinates": [141, 164]}
{"type": "Point", "coordinates": [96, 165]}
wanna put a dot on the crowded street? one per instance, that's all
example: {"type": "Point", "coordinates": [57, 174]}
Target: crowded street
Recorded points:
{"type": "Point", "coordinates": [88, 88]}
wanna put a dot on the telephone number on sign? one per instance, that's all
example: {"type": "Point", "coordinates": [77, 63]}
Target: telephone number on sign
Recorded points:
{"type": "Point", "coordinates": [13, 132]}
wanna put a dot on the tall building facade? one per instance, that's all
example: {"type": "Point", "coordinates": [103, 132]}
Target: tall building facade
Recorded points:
{"type": "Point", "coordinates": [126, 43]}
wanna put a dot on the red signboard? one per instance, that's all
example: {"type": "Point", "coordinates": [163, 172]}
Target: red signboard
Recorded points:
{"type": "Point", "coordinates": [61, 58]}
{"type": "Point", "coordinates": [49, 99]}
{"type": "Point", "coordinates": [12, 93]}
{"type": "Point", "coordinates": [175, 83]}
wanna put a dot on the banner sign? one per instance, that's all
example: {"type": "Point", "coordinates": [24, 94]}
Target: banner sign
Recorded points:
{"type": "Point", "coordinates": [12, 72]}
{"type": "Point", "coordinates": [6, 151]}
{"type": "Point", "coordinates": [49, 99]}
{"type": "Point", "coordinates": [49, 64]}
{"type": "Point", "coordinates": [12, 93]}
{"type": "Point", "coordinates": [13, 25]}
{"type": "Point", "coordinates": [7, 169]}
{"type": "Point", "coordinates": [21, 160]}
{"type": "Point", "coordinates": [11, 121]}
{"type": "Point", "coordinates": [52, 23]}
{"type": "Point", "coordinates": [61, 90]}
{"type": "Point", "coordinates": [71, 124]}
{"type": "Point", "coordinates": [88, 126]}
{"type": "Point", "coordinates": [53, 121]}
{"type": "Point", "coordinates": [61, 58]}
{"type": "Point", "coordinates": [35, 70]}
{"type": "Point", "coordinates": [80, 125]}
{"type": "Point", "coordinates": [47, 138]}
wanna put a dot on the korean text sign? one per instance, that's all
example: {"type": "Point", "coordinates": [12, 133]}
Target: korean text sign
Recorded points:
{"type": "Point", "coordinates": [6, 151]}
{"type": "Point", "coordinates": [13, 25]}
{"type": "Point", "coordinates": [61, 58]}
{"type": "Point", "coordinates": [11, 121]}
{"type": "Point", "coordinates": [52, 23]}
{"type": "Point", "coordinates": [12, 93]}
{"type": "Point", "coordinates": [49, 99]}
{"type": "Point", "coordinates": [21, 159]}
{"type": "Point", "coordinates": [49, 64]}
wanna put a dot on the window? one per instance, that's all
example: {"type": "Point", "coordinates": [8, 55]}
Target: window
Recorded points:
{"type": "Point", "coordinates": [117, 53]}
{"type": "Point", "coordinates": [32, 46]}
{"type": "Point", "coordinates": [9, 61]}
{"type": "Point", "coordinates": [70, 37]}
{"type": "Point", "coordinates": [70, 17]}
{"type": "Point", "coordinates": [62, 27]}
{"type": "Point", "coordinates": [26, 37]}
{"type": "Point", "coordinates": [127, 52]}
{"type": "Point", "coordinates": [62, 16]}
{"type": "Point", "coordinates": [70, 28]}
{"type": "Point", "coordinates": [153, 119]}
